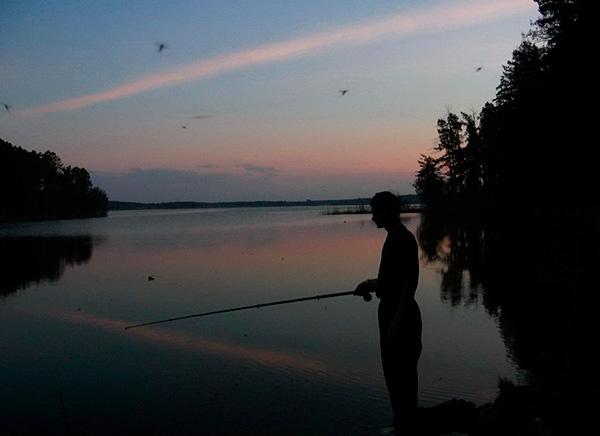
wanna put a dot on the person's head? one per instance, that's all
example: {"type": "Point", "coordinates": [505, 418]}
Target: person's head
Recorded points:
{"type": "Point", "coordinates": [386, 208]}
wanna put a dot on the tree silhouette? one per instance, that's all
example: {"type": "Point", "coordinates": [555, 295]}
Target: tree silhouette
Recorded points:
{"type": "Point", "coordinates": [520, 147]}
{"type": "Point", "coordinates": [429, 182]}
{"type": "Point", "coordinates": [37, 186]}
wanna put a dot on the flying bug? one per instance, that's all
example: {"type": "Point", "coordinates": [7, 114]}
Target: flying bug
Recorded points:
{"type": "Point", "coordinates": [161, 46]}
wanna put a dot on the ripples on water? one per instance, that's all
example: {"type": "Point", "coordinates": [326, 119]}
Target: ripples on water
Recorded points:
{"type": "Point", "coordinates": [313, 367]}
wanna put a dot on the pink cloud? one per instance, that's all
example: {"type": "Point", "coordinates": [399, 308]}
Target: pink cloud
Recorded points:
{"type": "Point", "coordinates": [435, 19]}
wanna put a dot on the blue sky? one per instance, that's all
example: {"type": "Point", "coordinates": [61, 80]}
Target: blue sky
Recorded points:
{"type": "Point", "coordinates": [243, 103]}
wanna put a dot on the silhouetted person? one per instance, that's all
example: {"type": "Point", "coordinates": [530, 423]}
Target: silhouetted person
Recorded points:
{"type": "Point", "coordinates": [398, 313]}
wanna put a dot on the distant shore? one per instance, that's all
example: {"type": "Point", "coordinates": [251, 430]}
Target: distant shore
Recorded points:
{"type": "Point", "coordinates": [362, 209]}
{"type": "Point", "coordinates": [409, 200]}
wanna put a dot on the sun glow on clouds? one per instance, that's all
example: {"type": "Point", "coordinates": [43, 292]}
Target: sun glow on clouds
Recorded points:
{"type": "Point", "coordinates": [431, 20]}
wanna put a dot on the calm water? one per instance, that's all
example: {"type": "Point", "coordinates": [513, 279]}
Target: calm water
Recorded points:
{"type": "Point", "coordinates": [68, 289]}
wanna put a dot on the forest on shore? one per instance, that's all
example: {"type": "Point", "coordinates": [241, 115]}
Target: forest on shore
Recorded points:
{"type": "Point", "coordinates": [37, 186]}
{"type": "Point", "coordinates": [529, 145]}
{"type": "Point", "coordinates": [361, 202]}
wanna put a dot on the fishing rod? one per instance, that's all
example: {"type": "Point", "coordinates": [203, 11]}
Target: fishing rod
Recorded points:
{"type": "Point", "coordinates": [366, 297]}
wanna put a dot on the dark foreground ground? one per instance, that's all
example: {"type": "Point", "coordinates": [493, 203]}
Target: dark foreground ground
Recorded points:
{"type": "Point", "coordinates": [517, 411]}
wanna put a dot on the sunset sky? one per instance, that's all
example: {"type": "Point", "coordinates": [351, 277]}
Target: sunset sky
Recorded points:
{"type": "Point", "coordinates": [243, 102]}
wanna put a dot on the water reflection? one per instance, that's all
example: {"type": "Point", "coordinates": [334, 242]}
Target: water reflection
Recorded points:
{"type": "Point", "coordinates": [226, 369]}
{"type": "Point", "coordinates": [523, 280]}
{"type": "Point", "coordinates": [461, 249]}
{"type": "Point", "coordinates": [285, 361]}
{"type": "Point", "coordinates": [536, 278]}
{"type": "Point", "coordinates": [35, 259]}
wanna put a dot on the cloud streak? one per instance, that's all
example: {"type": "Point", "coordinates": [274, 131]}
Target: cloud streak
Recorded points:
{"type": "Point", "coordinates": [269, 171]}
{"type": "Point", "coordinates": [432, 20]}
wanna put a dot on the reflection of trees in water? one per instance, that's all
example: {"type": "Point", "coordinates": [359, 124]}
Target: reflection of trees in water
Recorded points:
{"type": "Point", "coordinates": [32, 260]}
{"type": "Point", "coordinates": [474, 269]}
{"type": "Point", "coordinates": [530, 278]}
{"type": "Point", "coordinates": [461, 250]}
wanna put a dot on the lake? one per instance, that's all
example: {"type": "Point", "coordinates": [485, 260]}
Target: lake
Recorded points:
{"type": "Point", "coordinates": [69, 288]}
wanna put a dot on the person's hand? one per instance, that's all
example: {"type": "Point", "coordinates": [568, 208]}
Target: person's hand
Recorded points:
{"type": "Point", "coordinates": [364, 288]}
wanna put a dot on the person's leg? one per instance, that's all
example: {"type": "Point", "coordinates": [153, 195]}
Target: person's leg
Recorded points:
{"type": "Point", "coordinates": [399, 360]}
{"type": "Point", "coordinates": [401, 377]}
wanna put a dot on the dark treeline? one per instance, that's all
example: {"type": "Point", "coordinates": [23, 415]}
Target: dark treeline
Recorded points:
{"type": "Point", "coordinates": [124, 205]}
{"type": "Point", "coordinates": [35, 186]}
{"type": "Point", "coordinates": [521, 182]}
{"type": "Point", "coordinates": [529, 145]}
